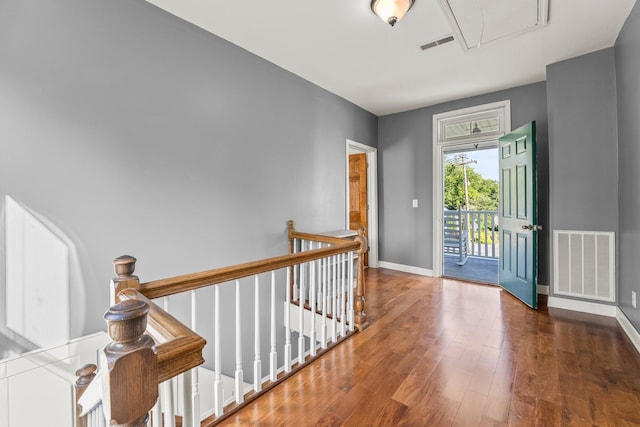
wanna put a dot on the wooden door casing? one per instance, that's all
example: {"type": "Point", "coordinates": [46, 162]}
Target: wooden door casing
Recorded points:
{"type": "Point", "coordinates": [358, 205]}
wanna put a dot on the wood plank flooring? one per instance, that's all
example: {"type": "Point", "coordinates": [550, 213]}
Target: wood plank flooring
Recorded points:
{"type": "Point", "coordinates": [441, 352]}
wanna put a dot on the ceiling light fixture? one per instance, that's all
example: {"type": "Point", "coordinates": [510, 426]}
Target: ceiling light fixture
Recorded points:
{"type": "Point", "coordinates": [391, 11]}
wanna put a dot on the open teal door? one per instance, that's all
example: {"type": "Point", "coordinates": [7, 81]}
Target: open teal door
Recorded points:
{"type": "Point", "coordinates": [518, 214]}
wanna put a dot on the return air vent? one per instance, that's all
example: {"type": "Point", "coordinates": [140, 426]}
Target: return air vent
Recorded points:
{"type": "Point", "coordinates": [443, 40]}
{"type": "Point", "coordinates": [584, 264]}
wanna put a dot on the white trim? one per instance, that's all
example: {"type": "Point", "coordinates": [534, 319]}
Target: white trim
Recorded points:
{"type": "Point", "coordinates": [438, 152]}
{"type": "Point", "coordinates": [372, 196]}
{"type": "Point", "coordinates": [406, 268]}
{"type": "Point", "coordinates": [582, 306]}
{"type": "Point", "coordinates": [542, 289]}
{"type": "Point", "coordinates": [628, 328]}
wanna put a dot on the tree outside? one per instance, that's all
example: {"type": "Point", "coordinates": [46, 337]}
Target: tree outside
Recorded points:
{"type": "Point", "coordinates": [483, 193]}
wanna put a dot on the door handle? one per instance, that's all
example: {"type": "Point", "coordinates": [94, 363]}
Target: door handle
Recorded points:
{"type": "Point", "coordinates": [532, 227]}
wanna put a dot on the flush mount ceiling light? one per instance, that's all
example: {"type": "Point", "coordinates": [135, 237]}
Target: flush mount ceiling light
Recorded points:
{"type": "Point", "coordinates": [391, 11]}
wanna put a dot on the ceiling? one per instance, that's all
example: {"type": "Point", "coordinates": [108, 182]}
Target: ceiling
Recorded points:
{"type": "Point", "coordinates": [341, 46]}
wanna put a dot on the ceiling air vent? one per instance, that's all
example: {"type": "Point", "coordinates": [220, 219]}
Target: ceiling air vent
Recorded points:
{"type": "Point", "coordinates": [443, 40]}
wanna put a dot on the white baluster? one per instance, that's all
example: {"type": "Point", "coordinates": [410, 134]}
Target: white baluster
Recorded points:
{"type": "Point", "coordinates": [343, 290]}
{"type": "Point", "coordinates": [316, 269]}
{"type": "Point", "coordinates": [102, 421]}
{"type": "Point", "coordinates": [287, 323]}
{"type": "Point", "coordinates": [187, 407]}
{"type": "Point", "coordinates": [95, 417]}
{"type": "Point", "coordinates": [217, 390]}
{"type": "Point", "coordinates": [239, 375]}
{"type": "Point", "coordinates": [323, 332]}
{"type": "Point", "coordinates": [301, 317]}
{"type": "Point", "coordinates": [257, 362]}
{"type": "Point", "coordinates": [167, 404]}
{"type": "Point", "coordinates": [167, 389]}
{"type": "Point", "coordinates": [350, 314]}
{"type": "Point", "coordinates": [334, 302]}
{"type": "Point", "coordinates": [273, 355]}
{"type": "Point", "coordinates": [191, 395]}
{"type": "Point", "coordinates": [156, 412]}
{"type": "Point", "coordinates": [296, 274]}
{"type": "Point", "coordinates": [312, 306]}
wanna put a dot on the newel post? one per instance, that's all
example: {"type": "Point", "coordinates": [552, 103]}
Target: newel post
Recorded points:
{"type": "Point", "coordinates": [360, 316]}
{"type": "Point", "coordinates": [124, 267]}
{"type": "Point", "coordinates": [130, 366]}
{"type": "Point", "coordinates": [85, 375]}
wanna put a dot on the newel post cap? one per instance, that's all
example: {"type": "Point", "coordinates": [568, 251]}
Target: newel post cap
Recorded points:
{"type": "Point", "coordinates": [124, 265]}
{"type": "Point", "coordinates": [127, 320]}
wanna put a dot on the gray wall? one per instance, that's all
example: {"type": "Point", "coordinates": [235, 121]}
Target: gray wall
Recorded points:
{"type": "Point", "coordinates": [627, 52]}
{"type": "Point", "coordinates": [135, 132]}
{"type": "Point", "coordinates": [583, 153]}
{"type": "Point", "coordinates": [405, 155]}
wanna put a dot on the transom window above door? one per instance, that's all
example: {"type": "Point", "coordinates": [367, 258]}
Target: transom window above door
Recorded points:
{"type": "Point", "coordinates": [478, 126]}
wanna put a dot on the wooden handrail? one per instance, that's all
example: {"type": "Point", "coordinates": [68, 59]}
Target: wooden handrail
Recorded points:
{"type": "Point", "coordinates": [322, 238]}
{"type": "Point", "coordinates": [171, 348]}
{"type": "Point", "coordinates": [318, 238]}
{"type": "Point", "coordinates": [179, 348]}
{"type": "Point", "coordinates": [189, 282]}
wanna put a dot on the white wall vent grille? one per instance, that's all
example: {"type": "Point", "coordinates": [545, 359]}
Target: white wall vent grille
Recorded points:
{"type": "Point", "coordinates": [584, 264]}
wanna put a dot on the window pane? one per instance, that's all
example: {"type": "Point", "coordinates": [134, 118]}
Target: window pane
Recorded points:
{"type": "Point", "coordinates": [491, 124]}
{"type": "Point", "coordinates": [456, 130]}
{"type": "Point", "coordinates": [474, 127]}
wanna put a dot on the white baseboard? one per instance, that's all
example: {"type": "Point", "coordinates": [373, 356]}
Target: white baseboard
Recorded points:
{"type": "Point", "coordinates": [628, 328]}
{"type": "Point", "coordinates": [542, 289]}
{"type": "Point", "coordinates": [582, 306]}
{"type": "Point", "coordinates": [406, 268]}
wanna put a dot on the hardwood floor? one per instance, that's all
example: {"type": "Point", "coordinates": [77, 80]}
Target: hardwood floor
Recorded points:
{"type": "Point", "coordinates": [441, 352]}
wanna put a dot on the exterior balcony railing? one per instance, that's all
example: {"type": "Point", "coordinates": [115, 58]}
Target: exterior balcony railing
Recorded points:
{"type": "Point", "coordinates": [482, 231]}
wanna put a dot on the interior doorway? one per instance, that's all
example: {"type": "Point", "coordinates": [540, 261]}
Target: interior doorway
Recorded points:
{"type": "Point", "coordinates": [365, 202]}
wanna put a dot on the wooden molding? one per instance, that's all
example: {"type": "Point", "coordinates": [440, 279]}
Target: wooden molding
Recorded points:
{"type": "Point", "coordinates": [179, 348]}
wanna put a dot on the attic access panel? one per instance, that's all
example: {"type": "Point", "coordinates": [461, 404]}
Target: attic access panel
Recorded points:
{"type": "Point", "coordinates": [476, 22]}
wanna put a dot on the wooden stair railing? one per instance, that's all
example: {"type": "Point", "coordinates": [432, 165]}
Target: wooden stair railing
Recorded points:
{"type": "Point", "coordinates": [360, 316]}
{"type": "Point", "coordinates": [177, 349]}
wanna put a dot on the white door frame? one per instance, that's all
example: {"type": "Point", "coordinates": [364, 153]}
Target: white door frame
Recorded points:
{"type": "Point", "coordinates": [440, 146]}
{"type": "Point", "coordinates": [353, 147]}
